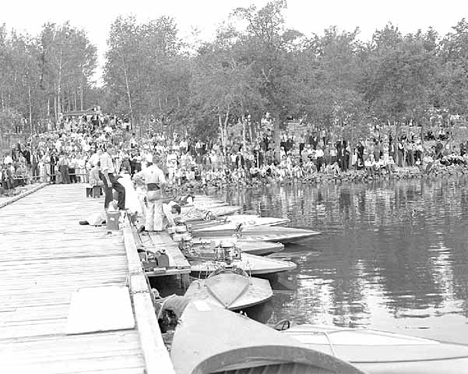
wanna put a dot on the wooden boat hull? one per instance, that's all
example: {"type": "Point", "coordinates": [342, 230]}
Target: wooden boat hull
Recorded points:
{"type": "Point", "coordinates": [193, 214]}
{"type": "Point", "coordinates": [247, 222]}
{"type": "Point", "coordinates": [222, 220]}
{"type": "Point", "coordinates": [215, 340]}
{"type": "Point", "coordinates": [205, 198]}
{"type": "Point", "coordinates": [259, 248]}
{"type": "Point", "coordinates": [252, 247]}
{"type": "Point", "coordinates": [253, 265]}
{"type": "Point", "coordinates": [378, 352]}
{"type": "Point", "coordinates": [230, 291]}
{"type": "Point", "coordinates": [267, 233]}
{"type": "Point", "coordinates": [206, 205]}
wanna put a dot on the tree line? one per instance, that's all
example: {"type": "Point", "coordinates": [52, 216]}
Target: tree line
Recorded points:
{"type": "Point", "coordinates": [44, 75]}
{"type": "Point", "coordinates": [254, 65]}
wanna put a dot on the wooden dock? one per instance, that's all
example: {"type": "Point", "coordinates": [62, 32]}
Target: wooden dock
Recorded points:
{"type": "Point", "coordinates": [45, 258]}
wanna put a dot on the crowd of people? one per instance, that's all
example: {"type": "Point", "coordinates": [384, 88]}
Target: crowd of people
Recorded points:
{"type": "Point", "coordinates": [82, 149]}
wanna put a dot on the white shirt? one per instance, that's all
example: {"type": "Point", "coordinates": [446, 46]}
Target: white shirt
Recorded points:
{"type": "Point", "coordinates": [106, 163]}
{"type": "Point", "coordinates": [93, 160]}
{"type": "Point", "coordinates": [153, 174]}
{"type": "Point", "coordinates": [171, 161]}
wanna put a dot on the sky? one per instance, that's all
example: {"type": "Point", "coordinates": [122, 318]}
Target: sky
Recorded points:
{"type": "Point", "coordinates": [306, 16]}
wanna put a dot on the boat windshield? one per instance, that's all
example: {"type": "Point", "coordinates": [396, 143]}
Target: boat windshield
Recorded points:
{"type": "Point", "coordinates": [229, 270]}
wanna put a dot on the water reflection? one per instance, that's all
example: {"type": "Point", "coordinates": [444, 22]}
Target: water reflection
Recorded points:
{"type": "Point", "coordinates": [392, 254]}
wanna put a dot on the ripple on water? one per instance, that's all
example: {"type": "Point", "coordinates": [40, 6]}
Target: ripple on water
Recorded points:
{"type": "Point", "coordinates": [391, 254]}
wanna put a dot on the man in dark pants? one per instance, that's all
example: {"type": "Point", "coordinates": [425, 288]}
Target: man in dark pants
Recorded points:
{"type": "Point", "coordinates": [110, 181]}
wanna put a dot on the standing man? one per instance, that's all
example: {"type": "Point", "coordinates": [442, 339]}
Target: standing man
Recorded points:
{"type": "Point", "coordinates": [110, 181]}
{"type": "Point", "coordinates": [155, 181]}
{"type": "Point", "coordinates": [171, 164]}
{"type": "Point", "coordinates": [35, 158]}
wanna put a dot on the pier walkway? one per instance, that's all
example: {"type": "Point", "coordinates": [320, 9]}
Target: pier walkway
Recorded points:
{"type": "Point", "coordinates": [47, 262]}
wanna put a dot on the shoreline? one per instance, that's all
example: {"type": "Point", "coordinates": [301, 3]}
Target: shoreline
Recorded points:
{"type": "Point", "coordinates": [355, 176]}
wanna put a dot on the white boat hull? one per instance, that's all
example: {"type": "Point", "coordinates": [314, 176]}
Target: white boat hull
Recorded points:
{"type": "Point", "coordinates": [377, 352]}
{"type": "Point", "coordinates": [230, 291]}
{"type": "Point", "coordinates": [214, 340]}
{"type": "Point", "coordinates": [253, 265]}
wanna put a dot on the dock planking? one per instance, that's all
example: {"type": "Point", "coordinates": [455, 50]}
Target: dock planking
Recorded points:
{"type": "Point", "coordinates": [45, 256]}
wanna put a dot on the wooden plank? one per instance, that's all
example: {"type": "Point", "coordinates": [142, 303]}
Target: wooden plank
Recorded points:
{"type": "Point", "coordinates": [35, 314]}
{"type": "Point", "coordinates": [13, 285]}
{"type": "Point", "coordinates": [30, 236]}
{"type": "Point", "coordinates": [72, 351]}
{"type": "Point", "coordinates": [166, 272]}
{"type": "Point", "coordinates": [101, 364]}
{"type": "Point", "coordinates": [44, 357]}
{"type": "Point", "coordinates": [62, 249]}
{"type": "Point", "coordinates": [17, 285]}
{"type": "Point", "coordinates": [10, 257]}
{"type": "Point", "coordinates": [81, 262]}
{"type": "Point", "coordinates": [85, 339]}
{"type": "Point", "coordinates": [155, 354]}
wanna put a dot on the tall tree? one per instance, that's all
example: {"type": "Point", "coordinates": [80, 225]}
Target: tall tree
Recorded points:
{"type": "Point", "coordinates": [222, 86]}
{"type": "Point", "coordinates": [145, 72]}
{"type": "Point", "coordinates": [399, 79]}
{"type": "Point", "coordinates": [454, 70]}
{"type": "Point", "coordinates": [270, 47]}
{"type": "Point", "coordinates": [68, 62]}
{"type": "Point", "coordinates": [330, 73]}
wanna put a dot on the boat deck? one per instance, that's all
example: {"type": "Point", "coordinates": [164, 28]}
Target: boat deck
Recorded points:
{"type": "Point", "coordinates": [178, 264]}
{"type": "Point", "coordinates": [46, 257]}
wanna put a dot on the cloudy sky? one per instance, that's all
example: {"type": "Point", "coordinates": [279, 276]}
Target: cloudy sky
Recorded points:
{"type": "Point", "coordinates": [307, 16]}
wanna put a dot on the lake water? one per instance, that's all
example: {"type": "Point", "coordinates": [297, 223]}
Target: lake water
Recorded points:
{"type": "Point", "coordinates": [392, 255]}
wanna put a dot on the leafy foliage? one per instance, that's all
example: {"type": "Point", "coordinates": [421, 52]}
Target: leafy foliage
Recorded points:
{"type": "Point", "coordinates": [45, 75]}
{"type": "Point", "coordinates": [255, 65]}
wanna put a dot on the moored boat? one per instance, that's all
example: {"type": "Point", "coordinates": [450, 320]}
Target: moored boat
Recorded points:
{"type": "Point", "coordinates": [260, 233]}
{"type": "Point", "coordinates": [206, 259]}
{"type": "Point", "coordinates": [378, 352]}
{"type": "Point", "coordinates": [253, 265]}
{"type": "Point", "coordinates": [194, 214]}
{"type": "Point", "coordinates": [258, 248]}
{"type": "Point", "coordinates": [231, 288]}
{"type": "Point", "coordinates": [231, 223]}
{"type": "Point", "coordinates": [214, 340]}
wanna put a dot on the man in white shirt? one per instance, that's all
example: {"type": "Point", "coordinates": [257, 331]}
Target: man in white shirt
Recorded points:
{"type": "Point", "coordinates": [319, 158]}
{"type": "Point", "coordinates": [7, 160]}
{"type": "Point", "coordinates": [155, 182]}
{"type": "Point", "coordinates": [171, 164]}
{"type": "Point", "coordinates": [183, 146]}
{"type": "Point", "coordinates": [110, 181]}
